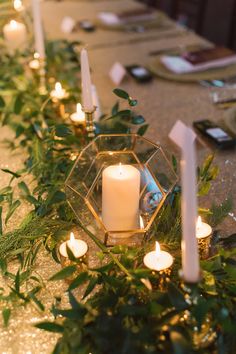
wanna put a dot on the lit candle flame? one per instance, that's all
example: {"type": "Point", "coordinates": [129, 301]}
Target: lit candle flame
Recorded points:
{"type": "Point", "coordinates": [79, 108]}
{"type": "Point", "coordinates": [199, 222]}
{"type": "Point", "coordinates": [18, 5]}
{"type": "Point", "coordinates": [36, 55]}
{"type": "Point", "coordinates": [157, 249]}
{"type": "Point", "coordinates": [58, 87]}
{"type": "Point", "coordinates": [72, 239]}
{"type": "Point", "coordinates": [13, 24]}
{"type": "Point", "coordinates": [141, 223]}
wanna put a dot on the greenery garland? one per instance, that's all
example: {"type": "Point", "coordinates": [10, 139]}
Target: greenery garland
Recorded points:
{"type": "Point", "coordinates": [125, 308]}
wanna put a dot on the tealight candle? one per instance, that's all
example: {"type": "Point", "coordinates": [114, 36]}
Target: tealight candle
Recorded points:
{"type": "Point", "coordinates": [158, 260]}
{"type": "Point", "coordinates": [78, 247]}
{"type": "Point", "coordinates": [15, 35]}
{"type": "Point", "coordinates": [202, 229]}
{"type": "Point", "coordinates": [35, 64]}
{"type": "Point", "coordinates": [78, 117]}
{"type": "Point", "coordinates": [58, 93]}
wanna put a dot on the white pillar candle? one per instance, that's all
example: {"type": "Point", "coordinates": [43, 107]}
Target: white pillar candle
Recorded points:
{"type": "Point", "coordinates": [96, 103]}
{"type": "Point", "coordinates": [15, 35]}
{"type": "Point", "coordinates": [184, 137]}
{"type": "Point", "coordinates": [58, 93]}
{"type": "Point", "coordinates": [158, 260]}
{"type": "Point", "coordinates": [78, 247]}
{"type": "Point", "coordinates": [202, 229]}
{"type": "Point", "coordinates": [38, 29]}
{"type": "Point", "coordinates": [78, 116]}
{"type": "Point", "coordinates": [87, 100]}
{"type": "Point", "coordinates": [120, 197]}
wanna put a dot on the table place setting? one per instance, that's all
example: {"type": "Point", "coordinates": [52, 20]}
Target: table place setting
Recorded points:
{"type": "Point", "coordinates": [110, 242]}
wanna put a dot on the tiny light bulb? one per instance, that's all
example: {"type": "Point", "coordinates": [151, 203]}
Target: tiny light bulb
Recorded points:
{"type": "Point", "coordinates": [58, 86]}
{"type": "Point", "coordinates": [158, 249]}
{"type": "Point", "coordinates": [199, 222]}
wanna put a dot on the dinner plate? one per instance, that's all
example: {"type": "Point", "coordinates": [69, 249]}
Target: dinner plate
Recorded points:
{"type": "Point", "coordinates": [157, 68]}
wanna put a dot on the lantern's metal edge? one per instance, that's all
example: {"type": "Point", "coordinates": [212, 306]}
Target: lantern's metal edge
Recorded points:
{"type": "Point", "coordinates": [165, 194]}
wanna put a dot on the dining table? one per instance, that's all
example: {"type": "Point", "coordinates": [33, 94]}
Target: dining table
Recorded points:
{"type": "Point", "coordinates": [162, 102]}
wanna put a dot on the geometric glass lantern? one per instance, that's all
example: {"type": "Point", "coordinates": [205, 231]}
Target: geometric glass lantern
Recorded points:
{"type": "Point", "coordinates": [84, 183]}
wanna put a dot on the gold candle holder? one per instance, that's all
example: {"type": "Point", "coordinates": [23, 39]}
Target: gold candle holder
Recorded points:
{"type": "Point", "coordinates": [160, 263]}
{"type": "Point", "coordinates": [203, 233]}
{"type": "Point", "coordinates": [57, 95]}
{"type": "Point", "coordinates": [78, 121]}
{"type": "Point", "coordinates": [201, 337]}
{"type": "Point", "coordinates": [38, 65]}
{"type": "Point", "coordinates": [42, 77]}
{"type": "Point", "coordinates": [90, 127]}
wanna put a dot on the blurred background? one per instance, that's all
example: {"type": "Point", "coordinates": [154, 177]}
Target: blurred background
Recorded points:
{"type": "Point", "coordinates": [212, 19]}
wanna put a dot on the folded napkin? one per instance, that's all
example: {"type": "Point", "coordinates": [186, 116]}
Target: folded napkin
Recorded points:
{"type": "Point", "coordinates": [179, 65]}
{"type": "Point", "coordinates": [125, 17]}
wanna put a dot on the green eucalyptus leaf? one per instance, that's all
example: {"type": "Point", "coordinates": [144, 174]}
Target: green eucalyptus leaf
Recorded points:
{"type": "Point", "coordinates": [36, 301]}
{"type": "Point", "coordinates": [24, 188]}
{"type": "Point", "coordinates": [132, 102]}
{"type": "Point", "coordinates": [142, 130]}
{"type": "Point", "coordinates": [79, 280]}
{"type": "Point", "coordinates": [50, 327]}
{"type": "Point", "coordinates": [6, 190]}
{"type": "Point", "coordinates": [12, 209]}
{"type": "Point", "coordinates": [0, 220]}
{"type": "Point", "coordinates": [63, 130]}
{"type": "Point", "coordinates": [17, 282]}
{"type": "Point", "coordinates": [138, 120]}
{"type": "Point", "coordinates": [177, 297]}
{"type": "Point", "coordinates": [121, 93]}
{"type": "Point", "coordinates": [64, 273]}
{"type": "Point", "coordinates": [115, 109]}
{"type": "Point", "coordinates": [2, 102]}
{"type": "Point", "coordinates": [14, 174]}
{"type": "Point", "coordinates": [18, 104]}
{"type": "Point", "coordinates": [93, 282]}
{"type": "Point", "coordinates": [6, 314]}
{"type": "Point", "coordinates": [207, 164]}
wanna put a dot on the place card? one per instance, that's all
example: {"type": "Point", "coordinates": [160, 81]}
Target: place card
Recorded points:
{"type": "Point", "coordinates": [67, 24]}
{"type": "Point", "coordinates": [117, 73]}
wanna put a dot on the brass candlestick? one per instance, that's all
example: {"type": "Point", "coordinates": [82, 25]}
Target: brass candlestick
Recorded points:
{"type": "Point", "coordinates": [42, 76]}
{"type": "Point", "coordinates": [90, 127]}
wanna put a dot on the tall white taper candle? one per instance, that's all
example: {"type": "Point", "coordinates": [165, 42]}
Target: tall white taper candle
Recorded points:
{"type": "Point", "coordinates": [38, 29]}
{"type": "Point", "coordinates": [87, 99]}
{"type": "Point", "coordinates": [184, 137]}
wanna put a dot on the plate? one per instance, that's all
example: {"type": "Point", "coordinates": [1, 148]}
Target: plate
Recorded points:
{"type": "Point", "coordinates": [157, 68]}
